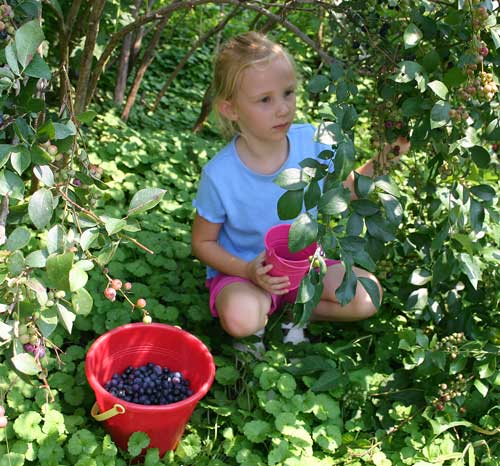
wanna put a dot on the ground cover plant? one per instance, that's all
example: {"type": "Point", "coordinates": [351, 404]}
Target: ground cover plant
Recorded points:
{"type": "Point", "coordinates": [95, 229]}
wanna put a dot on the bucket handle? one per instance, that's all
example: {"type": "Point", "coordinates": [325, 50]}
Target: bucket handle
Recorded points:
{"type": "Point", "coordinates": [115, 410]}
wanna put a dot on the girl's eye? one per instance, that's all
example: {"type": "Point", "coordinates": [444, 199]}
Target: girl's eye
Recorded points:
{"type": "Point", "coordinates": [264, 99]}
{"type": "Point", "coordinates": [290, 92]}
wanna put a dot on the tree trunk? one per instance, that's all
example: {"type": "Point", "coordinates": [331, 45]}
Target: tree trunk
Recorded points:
{"type": "Point", "coordinates": [123, 67]}
{"type": "Point", "coordinates": [136, 43]}
{"type": "Point", "coordinates": [146, 61]}
{"type": "Point", "coordinates": [81, 92]}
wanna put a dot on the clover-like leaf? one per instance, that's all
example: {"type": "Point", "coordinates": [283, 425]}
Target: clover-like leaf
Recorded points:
{"type": "Point", "coordinates": [137, 442]}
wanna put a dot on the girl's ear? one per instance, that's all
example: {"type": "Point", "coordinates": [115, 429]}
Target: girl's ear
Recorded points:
{"type": "Point", "coordinates": [226, 108]}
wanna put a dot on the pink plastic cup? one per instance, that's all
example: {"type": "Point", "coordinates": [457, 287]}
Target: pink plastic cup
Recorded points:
{"type": "Point", "coordinates": [292, 264]}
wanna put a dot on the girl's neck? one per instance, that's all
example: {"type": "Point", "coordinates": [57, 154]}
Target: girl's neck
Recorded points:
{"type": "Point", "coordinates": [262, 156]}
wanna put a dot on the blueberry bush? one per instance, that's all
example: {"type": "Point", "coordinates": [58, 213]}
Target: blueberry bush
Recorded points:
{"type": "Point", "coordinates": [95, 233]}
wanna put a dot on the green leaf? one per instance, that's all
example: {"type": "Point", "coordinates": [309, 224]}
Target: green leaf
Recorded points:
{"type": "Point", "coordinates": [303, 232]}
{"type": "Point", "coordinates": [107, 253]}
{"type": "Point", "coordinates": [318, 83]}
{"type": "Point", "coordinates": [412, 36]}
{"type": "Point", "coordinates": [58, 268]}
{"type": "Point", "coordinates": [41, 208]}
{"type": "Point", "coordinates": [309, 365]}
{"type": "Point", "coordinates": [392, 208]}
{"type": "Point", "coordinates": [440, 114]}
{"type": "Point", "coordinates": [87, 116]}
{"type": "Point", "coordinates": [44, 174]}
{"type": "Point", "coordinates": [88, 237]}
{"type": "Point", "coordinates": [227, 375]}
{"type": "Point", "coordinates": [114, 225]}
{"type": "Point", "coordinates": [25, 363]}
{"type": "Point", "coordinates": [483, 192]}
{"type": "Point", "coordinates": [37, 68]}
{"type": "Point", "coordinates": [379, 229]}
{"type": "Point", "coordinates": [439, 89]}
{"type": "Point", "coordinates": [387, 185]}
{"type": "Point", "coordinates": [56, 239]}
{"type": "Point", "coordinates": [11, 57]}
{"type": "Point", "coordinates": [37, 259]}
{"type": "Point", "coordinates": [137, 442]}
{"type": "Point", "coordinates": [292, 179]}
{"type": "Point", "coordinates": [19, 238]}
{"type": "Point", "coordinates": [27, 426]}
{"type": "Point", "coordinates": [364, 207]}
{"type": "Point", "coordinates": [347, 289]}
{"type": "Point", "coordinates": [372, 289]}
{"type": "Point", "coordinates": [418, 299]}
{"type": "Point", "coordinates": [47, 322]}
{"type": "Point", "coordinates": [5, 151]}
{"type": "Point", "coordinates": [480, 156]}
{"type": "Point", "coordinates": [82, 302]}
{"type": "Point", "coordinates": [290, 204]}
{"type": "Point", "coordinates": [257, 431]}
{"type": "Point", "coordinates": [481, 387]}
{"type": "Point", "coordinates": [15, 263]}
{"type": "Point", "coordinates": [363, 185]}
{"type": "Point", "coordinates": [312, 195]}
{"type": "Point", "coordinates": [20, 159]}
{"type": "Point", "coordinates": [335, 201]}
{"type": "Point", "coordinates": [11, 185]}
{"type": "Point", "coordinates": [306, 290]}
{"type": "Point", "coordinates": [407, 71]}
{"type": "Point", "coordinates": [454, 77]}
{"type": "Point", "coordinates": [471, 266]}
{"type": "Point", "coordinates": [420, 277]}
{"type": "Point", "coordinates": [328, 380]}
{"type": "Point", "coordinates": [66, 317]}
{"type": "Point", "coordinates": [64, 130]}
{"type": "Point", "coordinates": [144, 200]}
{"type": "Point", "coordinates": [77, 278]}
{"type": "Point", "coordinates": [344, 159]}
{"type": "Point", "coordinates": [28, 37]}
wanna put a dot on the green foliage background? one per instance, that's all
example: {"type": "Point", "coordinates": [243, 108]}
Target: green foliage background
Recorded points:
{"type": "Point", "coordinates": [415, 385]}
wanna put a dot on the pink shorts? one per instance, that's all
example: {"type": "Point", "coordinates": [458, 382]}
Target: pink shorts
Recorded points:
{"type": "Point", "coordinates": [220, 281]}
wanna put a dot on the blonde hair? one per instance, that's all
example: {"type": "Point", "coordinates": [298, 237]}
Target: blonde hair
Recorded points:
{"type": "Point", "coordinates": [235, 56]}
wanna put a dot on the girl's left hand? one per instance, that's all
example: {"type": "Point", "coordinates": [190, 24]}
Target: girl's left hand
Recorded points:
{"type": "Point", "coordinates": [258, 273]}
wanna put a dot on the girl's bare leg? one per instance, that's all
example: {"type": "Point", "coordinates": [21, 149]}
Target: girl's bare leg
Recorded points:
{"type": "Point", "coordinates": [361, 306]}
{"type": "Point", "coordinates": [242, 308]}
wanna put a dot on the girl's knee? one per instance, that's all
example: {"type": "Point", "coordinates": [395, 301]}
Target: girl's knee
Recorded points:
{"type": "Point", "coordinates": [243, 314]}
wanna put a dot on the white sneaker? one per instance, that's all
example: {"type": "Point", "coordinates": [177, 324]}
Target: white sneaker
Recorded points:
{"type": "Point", "coordinates": [293, 334]}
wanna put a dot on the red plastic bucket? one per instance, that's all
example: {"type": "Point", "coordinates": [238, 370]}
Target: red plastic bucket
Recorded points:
{"type": "Point", "coordinates": [135, 345]}
{"type": "Point", "coordinates": [292, 264]}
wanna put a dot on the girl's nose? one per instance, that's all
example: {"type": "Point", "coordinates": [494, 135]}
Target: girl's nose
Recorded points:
{"type": "Point", "coordinates": [283, 108]}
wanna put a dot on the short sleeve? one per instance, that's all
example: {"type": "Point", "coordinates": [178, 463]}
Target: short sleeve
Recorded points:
{"type": "Point", "coordinates": [208, 202]}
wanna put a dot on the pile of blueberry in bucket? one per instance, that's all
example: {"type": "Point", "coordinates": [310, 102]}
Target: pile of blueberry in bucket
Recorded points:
{"type": "Point", "coordinates": [150, 384]}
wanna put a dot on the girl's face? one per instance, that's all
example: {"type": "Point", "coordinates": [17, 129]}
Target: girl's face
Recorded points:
{"type": "Point", "coordinates": [264, 104]}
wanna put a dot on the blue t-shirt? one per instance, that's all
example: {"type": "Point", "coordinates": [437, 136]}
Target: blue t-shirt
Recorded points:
{"type": "Point", "coordinates": [245, 202]}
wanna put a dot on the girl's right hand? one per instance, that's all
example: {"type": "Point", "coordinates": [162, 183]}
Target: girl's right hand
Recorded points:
{"type": "Point", "coordinates": [257, 272]}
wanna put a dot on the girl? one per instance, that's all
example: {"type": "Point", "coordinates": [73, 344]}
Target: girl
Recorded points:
{"type": "Point", "coordinates": [254, 87]}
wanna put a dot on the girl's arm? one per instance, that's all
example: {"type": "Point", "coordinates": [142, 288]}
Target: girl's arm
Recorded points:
{"type": "Point", "coordinates": [205, 247]}
{"type": "Point", "coordinates": [368, 169]}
